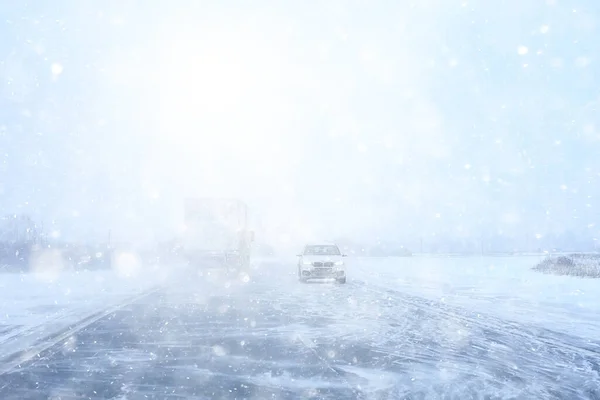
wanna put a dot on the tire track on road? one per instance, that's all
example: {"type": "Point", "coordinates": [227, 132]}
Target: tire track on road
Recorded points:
{"type": "Point", "coordinates": [418, 337]}
{"type": "Point", "coordinates": [490, 346]}
{"type": "Point", "coordinates": [490, 322]}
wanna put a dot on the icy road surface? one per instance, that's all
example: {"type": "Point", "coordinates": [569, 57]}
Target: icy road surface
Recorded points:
{"type": "Point", "coordinates": [268, 336]}
{"type": "Point", "coordinates": [34, 305]}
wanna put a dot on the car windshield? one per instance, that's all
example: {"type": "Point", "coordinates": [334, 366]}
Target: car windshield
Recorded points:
{"type": "Point", "coordinates": [328, 250]}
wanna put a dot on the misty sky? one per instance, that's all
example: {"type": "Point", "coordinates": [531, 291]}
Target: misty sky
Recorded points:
{"type": "Point", "coordinates": [351, 118]}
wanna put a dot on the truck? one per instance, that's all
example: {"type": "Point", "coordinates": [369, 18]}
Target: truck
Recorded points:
{"type": "Point", "coordinates": [216, 234]}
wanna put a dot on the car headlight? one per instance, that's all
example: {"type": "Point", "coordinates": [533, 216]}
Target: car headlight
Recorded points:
{"type": "Point", "coordinates": [306, 262]}
{"type": "Point", "coordinates": [339, 262]}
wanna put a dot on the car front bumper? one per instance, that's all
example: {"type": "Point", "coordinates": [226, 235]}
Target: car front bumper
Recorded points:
{"type": "Point", "coordinates": [322, 273]}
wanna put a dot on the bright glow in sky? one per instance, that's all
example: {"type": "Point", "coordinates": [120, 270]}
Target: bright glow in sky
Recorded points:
{"type": "Point", "coordinates": [340, 118]}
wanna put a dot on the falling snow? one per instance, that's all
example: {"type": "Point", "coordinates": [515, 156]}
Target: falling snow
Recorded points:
{"type": "Point", "coordinates": [449, 149]}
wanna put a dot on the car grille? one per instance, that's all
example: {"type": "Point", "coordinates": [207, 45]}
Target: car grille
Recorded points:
{"type": "Point", "coordinates": [327, 264]}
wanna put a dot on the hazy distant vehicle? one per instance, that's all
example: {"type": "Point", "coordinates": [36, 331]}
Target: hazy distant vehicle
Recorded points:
{"type": "Point", "coordinates": [321, 261]}
{"type": "Point", "coordinates": [216, 234]}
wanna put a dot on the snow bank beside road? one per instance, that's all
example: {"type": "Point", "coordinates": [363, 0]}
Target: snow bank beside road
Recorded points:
{"type": "Point", "coordinates": [504, 286]}
{"type": "Point", "coordinates": [582, 265]}
{"type": "Point", "coordinates": [36, 305]}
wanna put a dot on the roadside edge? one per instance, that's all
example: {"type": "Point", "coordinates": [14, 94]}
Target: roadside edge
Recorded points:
{"type": "Point", "coordinates": [16, 360]}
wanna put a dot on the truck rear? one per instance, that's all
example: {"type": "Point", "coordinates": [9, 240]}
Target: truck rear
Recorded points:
{"type": "Point", "coordinates": [216, 233]}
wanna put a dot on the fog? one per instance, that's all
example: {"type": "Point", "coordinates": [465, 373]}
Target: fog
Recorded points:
{"type": "Point", "coordinates": [340, 119]}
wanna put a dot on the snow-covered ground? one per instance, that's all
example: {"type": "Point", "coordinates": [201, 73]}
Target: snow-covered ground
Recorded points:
{"type": "Point", "coordinates": [420, 327]}
{"type": "Point", "coordinates": [506, 287]}
{"type": "Point", "coordinates": [38, 304]}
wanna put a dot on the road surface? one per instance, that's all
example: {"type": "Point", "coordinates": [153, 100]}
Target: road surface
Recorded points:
{"type": "Point", "coordinates": [266, 336]}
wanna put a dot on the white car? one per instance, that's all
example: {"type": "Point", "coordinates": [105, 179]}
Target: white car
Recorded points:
{"type": "Point", "coordinates": [321, 261]}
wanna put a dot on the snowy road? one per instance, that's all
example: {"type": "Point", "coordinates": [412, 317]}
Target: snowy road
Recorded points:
{"type": "Point", "coordinates": [268, 336]}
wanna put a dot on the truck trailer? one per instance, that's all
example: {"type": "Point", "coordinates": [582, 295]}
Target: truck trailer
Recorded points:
{"type": "Point", "coordinates": [216, 233]}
